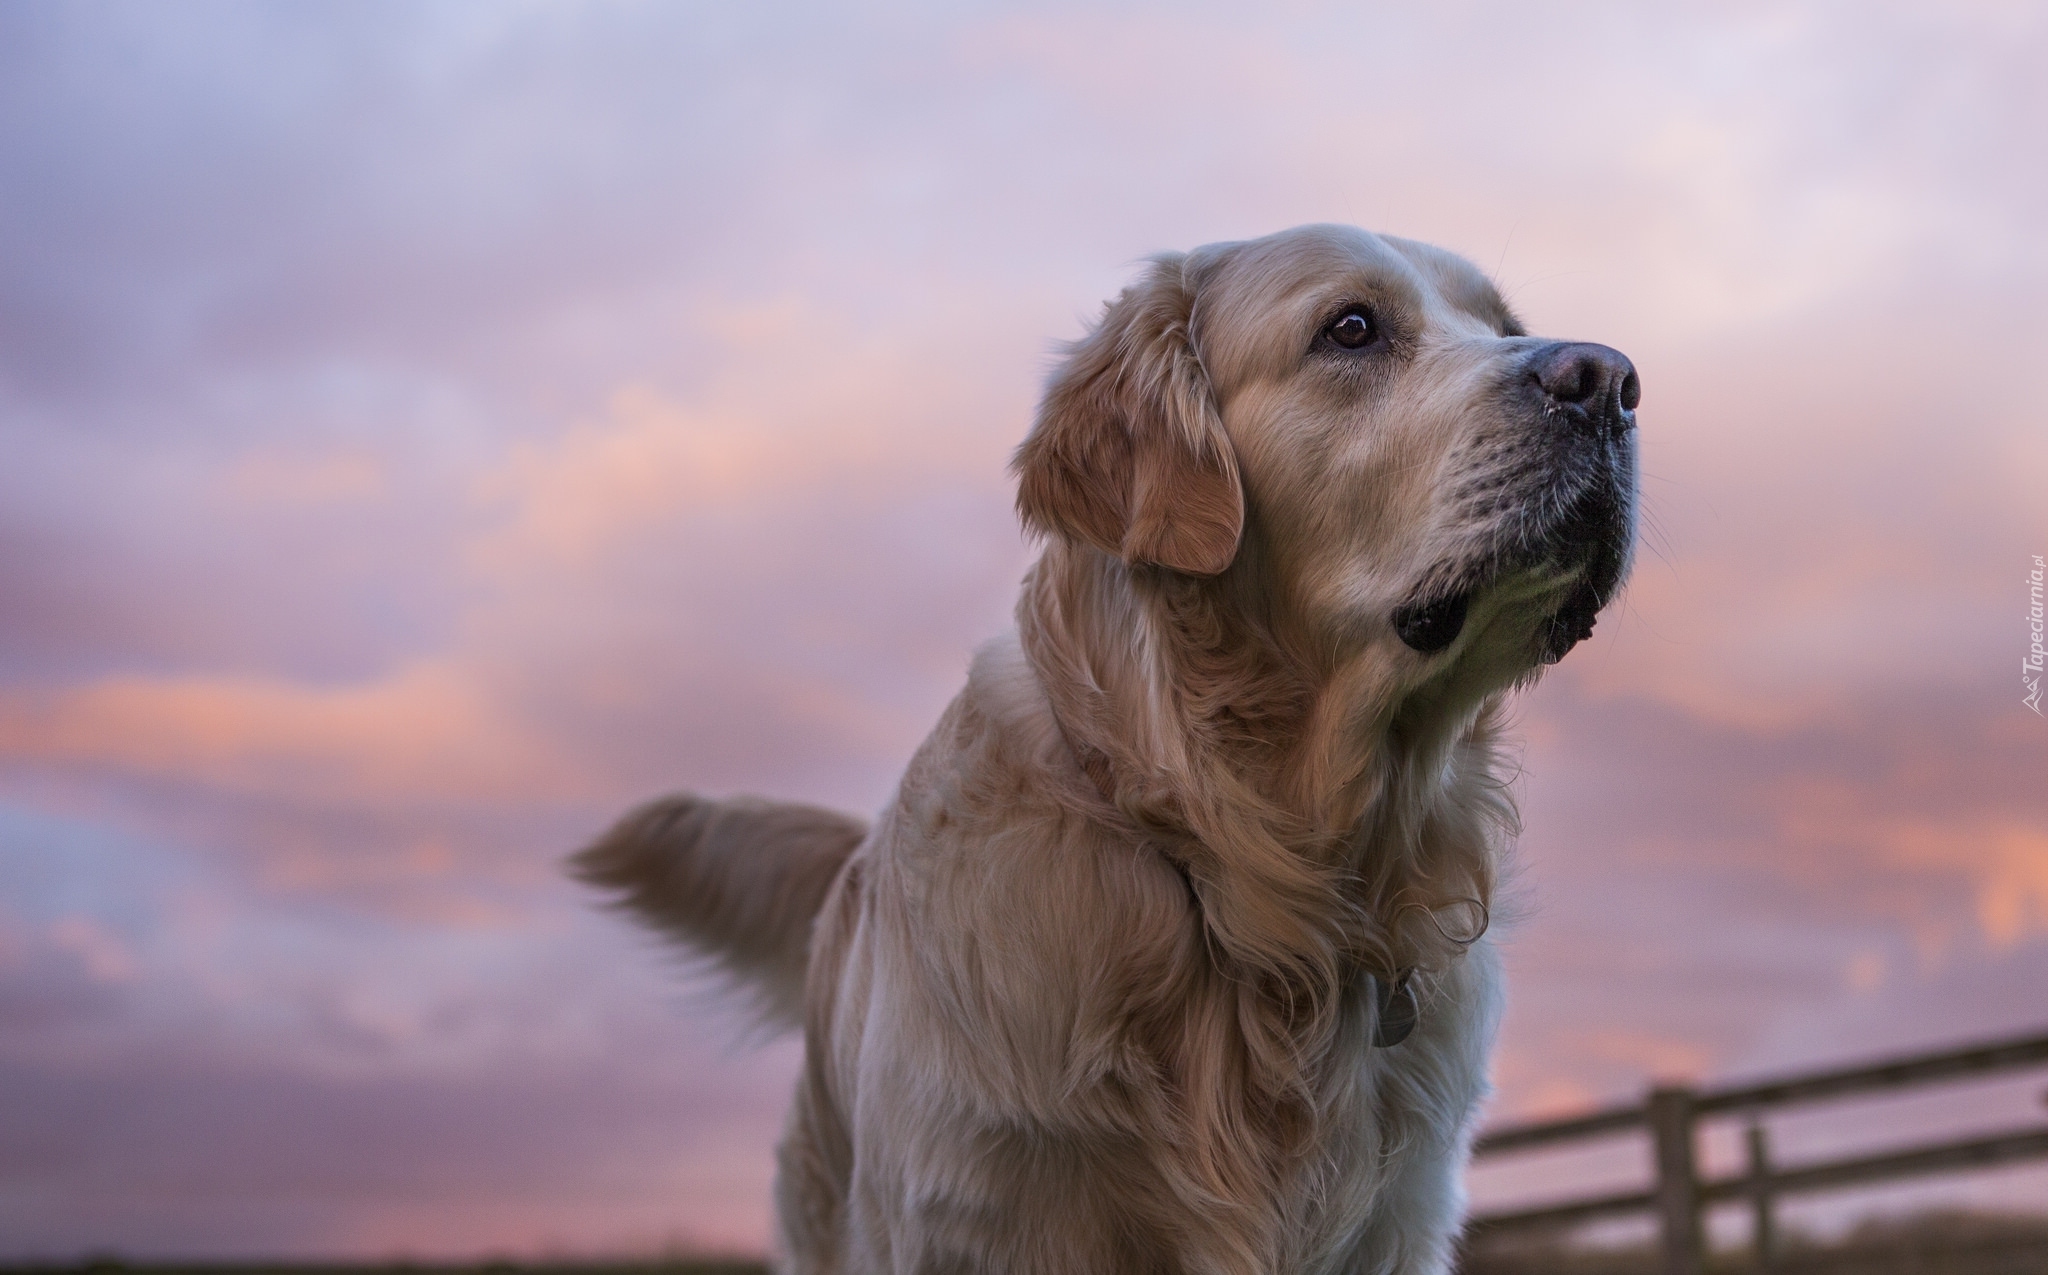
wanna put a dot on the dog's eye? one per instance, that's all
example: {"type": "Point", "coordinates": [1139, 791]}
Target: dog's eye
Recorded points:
{"type": "Point", "coordinates": [1353, 329]}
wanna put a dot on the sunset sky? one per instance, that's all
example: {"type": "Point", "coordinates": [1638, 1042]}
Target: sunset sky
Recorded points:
{"type": "Point", "coordinates": [430, 427]}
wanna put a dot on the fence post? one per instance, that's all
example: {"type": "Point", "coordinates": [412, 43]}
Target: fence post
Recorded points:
{"type": "Point", "coordinates": [1678, 1188]}
{"type": "Point", "coordinates": [1763, 1233]}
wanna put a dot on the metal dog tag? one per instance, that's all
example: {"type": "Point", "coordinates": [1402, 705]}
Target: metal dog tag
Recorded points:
{"type": "Point", "coordinates": [1398, 1009]}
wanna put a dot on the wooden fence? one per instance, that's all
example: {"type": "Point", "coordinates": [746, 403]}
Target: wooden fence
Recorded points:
{"type": "Point", "coordinates": [1672, 1115]}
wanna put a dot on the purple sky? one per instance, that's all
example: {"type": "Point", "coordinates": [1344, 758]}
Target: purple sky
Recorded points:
{"type": "Point", "coordinates": [431, 427]}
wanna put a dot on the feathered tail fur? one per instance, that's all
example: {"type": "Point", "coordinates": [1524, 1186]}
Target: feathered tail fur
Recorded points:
{"type": "Point", "coordinates": [737, 881]}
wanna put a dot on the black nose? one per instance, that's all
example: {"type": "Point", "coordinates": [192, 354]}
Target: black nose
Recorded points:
{"type": "Point", "coordinates": [1594, 383]}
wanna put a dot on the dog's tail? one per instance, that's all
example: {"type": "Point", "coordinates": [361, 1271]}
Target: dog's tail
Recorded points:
{"type": "Point", "coordinates": [737, 881]}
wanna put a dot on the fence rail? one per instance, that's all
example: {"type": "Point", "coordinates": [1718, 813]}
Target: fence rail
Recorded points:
{"type": "Point", "coordinates": [1671, 1116]}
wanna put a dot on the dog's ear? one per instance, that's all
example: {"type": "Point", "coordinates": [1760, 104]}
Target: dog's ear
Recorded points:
{"type": "Point", "coordinates": [1128, 453]}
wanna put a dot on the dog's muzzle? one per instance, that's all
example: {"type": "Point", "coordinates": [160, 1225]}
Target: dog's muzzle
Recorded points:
{"type": "Point", "coordinates": [1576, 510]}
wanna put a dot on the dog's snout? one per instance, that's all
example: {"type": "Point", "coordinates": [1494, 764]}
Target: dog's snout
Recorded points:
{"type": "Point", "coordinates": [1596, 380]}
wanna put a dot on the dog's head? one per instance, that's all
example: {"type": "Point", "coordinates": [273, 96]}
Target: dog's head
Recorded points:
{"type": "Point", "coordinates": [1362, 423]}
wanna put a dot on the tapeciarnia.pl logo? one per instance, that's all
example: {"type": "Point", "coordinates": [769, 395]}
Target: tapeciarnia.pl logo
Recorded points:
{"type": "Point", "coordinates": [2030, 667]}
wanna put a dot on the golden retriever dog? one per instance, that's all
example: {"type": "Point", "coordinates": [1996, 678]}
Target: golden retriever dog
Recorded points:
{"type": "Point", "coordinates": [1169, 954]}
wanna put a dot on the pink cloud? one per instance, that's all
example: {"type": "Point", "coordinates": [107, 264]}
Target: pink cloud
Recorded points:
{"type": "Point", "coordinates": [425, 733]}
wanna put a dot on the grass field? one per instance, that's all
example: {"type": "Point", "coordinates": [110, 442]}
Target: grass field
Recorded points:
{"type": "Point", "coordinates": [1929, 1244]}
{"type": "Point", "coordinates": [648, 1266]}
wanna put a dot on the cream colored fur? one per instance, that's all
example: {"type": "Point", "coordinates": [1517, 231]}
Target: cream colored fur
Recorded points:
{"type": "Point", "coordinates": [1096, 993]}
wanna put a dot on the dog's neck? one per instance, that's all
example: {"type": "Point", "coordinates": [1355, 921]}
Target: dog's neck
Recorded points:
{"type": "Point", "coordinates": [1314, 825]}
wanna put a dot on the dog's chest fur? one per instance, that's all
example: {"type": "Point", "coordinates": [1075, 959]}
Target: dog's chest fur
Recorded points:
{"type": "Point", "coordinates": [1027, 1018]}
